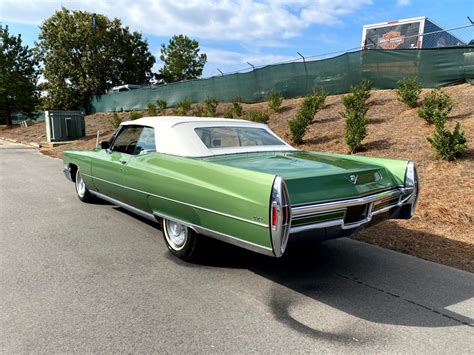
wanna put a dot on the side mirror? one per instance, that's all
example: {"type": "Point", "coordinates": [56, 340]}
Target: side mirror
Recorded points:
{"type": "Point", "coordinates": [104, 144]}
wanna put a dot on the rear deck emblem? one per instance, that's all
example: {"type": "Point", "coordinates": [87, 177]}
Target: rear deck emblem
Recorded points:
{"type": "Point", "coordinates": [353, 178]}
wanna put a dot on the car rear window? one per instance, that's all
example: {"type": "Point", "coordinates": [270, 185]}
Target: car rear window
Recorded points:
{"type": "Point", "coordinates": [228, 137]}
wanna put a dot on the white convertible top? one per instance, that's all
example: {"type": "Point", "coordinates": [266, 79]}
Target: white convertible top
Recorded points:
{"type": "Point", "coordinates": [175, 135]}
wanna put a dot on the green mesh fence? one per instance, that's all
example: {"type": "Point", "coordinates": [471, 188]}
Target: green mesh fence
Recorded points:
{"type": "Point", "coordinates": [433, 67]}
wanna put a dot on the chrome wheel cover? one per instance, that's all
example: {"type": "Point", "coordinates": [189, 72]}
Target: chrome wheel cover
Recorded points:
{"type": "Point", "coordinates": [176, 234]}
{"type": "Point", "coordinates": [80, 185]}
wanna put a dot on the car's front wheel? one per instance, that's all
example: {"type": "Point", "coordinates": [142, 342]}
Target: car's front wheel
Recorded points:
{"type": "Point", "coordinates": [81, 188]}
{"type": "Point", "coordinates": [181, 240]}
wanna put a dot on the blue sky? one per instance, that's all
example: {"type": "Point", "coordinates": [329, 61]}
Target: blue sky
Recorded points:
{"type": "Point", "coordinates": [235, 32]}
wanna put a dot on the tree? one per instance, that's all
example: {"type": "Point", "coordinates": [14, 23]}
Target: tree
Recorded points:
{"type": "Point", "coordinates": [181, 59]}
{"type": "Point", "coordinates": [19, 73]}
{"type": "Point", "coordinates": [86, 54]}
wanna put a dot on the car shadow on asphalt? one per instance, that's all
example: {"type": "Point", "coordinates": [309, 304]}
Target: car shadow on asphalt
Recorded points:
{"type": "Point", "coordinates": [342, 275]}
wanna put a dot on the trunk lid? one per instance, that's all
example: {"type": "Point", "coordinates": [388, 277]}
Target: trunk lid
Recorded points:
{"type": "Point", "coordinates": [313, 177]}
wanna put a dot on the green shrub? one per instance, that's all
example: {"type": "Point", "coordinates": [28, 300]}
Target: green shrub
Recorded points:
{"type": "Point", "coordinates": [183, 107]}
{"type": "Point", "coordinates": [199, 111]}
{"type": "Point", "coordinates": [408, 91]}
{"type": "Point", "coordinates": [436, 102]}
{"type": "Point", "coordinates": [161, 106]}
{"type": "Point", "coordinates": [211, 106]}
{"type": "Point", "coordinates": [152, 110]}
{"type": "Point", "coordinates": [297, 129]}
{"type": "Point", "coordinates": [115, 121]}
{"type": "Point", "coordinates": [229, 112]}
{"type": "Point", "coordinates": [257, 116]}
{"type": "Point", "coordinates": [312, 103]}
{"type": "Point", "coordinates": [135, 115]}
{"type": "Point", "coordinates": [355, 114]}
{"type": "Point", "coordinates": [362, 90]}
{"type": "Point", "coordinates": [447, 145]}
{"type": "Point", "coordinates": [237, 107]}
{"type": "Point", "coordinates": [274, 100]}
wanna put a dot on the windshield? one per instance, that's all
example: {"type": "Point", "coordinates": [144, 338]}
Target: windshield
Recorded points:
{"type": "Point", "coordinates": [228, 137]}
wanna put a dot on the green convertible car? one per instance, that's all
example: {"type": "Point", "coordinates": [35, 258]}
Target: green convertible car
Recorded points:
{"type": "Point", "coordinates": [237, 181]}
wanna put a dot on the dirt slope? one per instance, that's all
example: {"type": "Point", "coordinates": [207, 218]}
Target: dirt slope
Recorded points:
{"type": "Point", "coordinates": [442, 229]}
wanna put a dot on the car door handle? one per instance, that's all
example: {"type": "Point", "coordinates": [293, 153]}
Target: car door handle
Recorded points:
{"type": "Point", "coordinates": [123, 162]}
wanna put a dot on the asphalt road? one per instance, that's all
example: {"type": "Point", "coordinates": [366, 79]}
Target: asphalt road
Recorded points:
{"type": "Point", "coordinates": [93, 278]}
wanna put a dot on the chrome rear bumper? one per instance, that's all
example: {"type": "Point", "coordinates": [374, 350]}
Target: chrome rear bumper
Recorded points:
{"type": "Point", "coordinates": [335, 213]}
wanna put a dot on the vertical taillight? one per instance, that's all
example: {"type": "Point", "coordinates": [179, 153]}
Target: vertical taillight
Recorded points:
{"type": "Point", "coordinates": [274, 216]}
{"type": "Point", "coordinates": [280, 216]}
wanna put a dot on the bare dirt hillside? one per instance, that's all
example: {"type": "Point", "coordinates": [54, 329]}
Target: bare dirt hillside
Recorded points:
{"type": "Point", "coordinates": [443, 227]}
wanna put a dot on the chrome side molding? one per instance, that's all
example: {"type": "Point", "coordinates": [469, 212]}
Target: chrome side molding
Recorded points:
{"type": "Point", "coordinates": [198, 229]}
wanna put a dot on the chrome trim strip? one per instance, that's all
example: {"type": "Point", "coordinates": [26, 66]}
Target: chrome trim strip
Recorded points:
{"type": "Point", "coordinates": [221, 236]}
{"type": "Point", "coordinates": [327, 224]}
{"type": "Point", "coordinates": [198, 229]}
{"type": "Point", "coordinates": [135, 210]}
{"type": "Point", "coordinates": [235, 241]}
{"type": "Point", "coordinates": [279, 202]}
{"type": "Point", "coordinates": [335, 205]}
{"type": "Point", "coordinates": [183, 203]}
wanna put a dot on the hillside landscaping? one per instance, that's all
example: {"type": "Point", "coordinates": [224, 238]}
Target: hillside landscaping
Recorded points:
{"type": "Point", "coordinates": [442, 228]}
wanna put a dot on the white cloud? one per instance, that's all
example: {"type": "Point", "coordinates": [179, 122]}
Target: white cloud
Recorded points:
{"type": "Point", "coordinates": [224, 57]}
{"type": "Point", "coordinates": [243, 20]}
{"type": "Point", "coordinates": [403, 2]}
{"type": "Point", "coordinates": [230, 61]}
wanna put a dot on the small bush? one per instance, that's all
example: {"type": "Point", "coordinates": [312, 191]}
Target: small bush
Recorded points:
{"type": "Point", "coordinates": [257, 116]}
{"type": "Point", "coordinates": [297, 129]}
{"type": "Point", "coordinates": [355, 114]}
{"type": "Point", "coordinates": [362, 90]}
{"type": "Point", "coordinates": [183, 107]}
{"type": "Point", "coordinates": [211, 106]}
{"type": "Point", "coordinates": [274, 100]}
{"type": "Point", "coordinates": [152, 110]}
{"type": "Point", "coordinates": [161, 106]}
{"type": "Point", "coordinates": [408, 91]}
{"type": "Point", "coordinates": [312, 103]}
{"type": "Point", "coordinates": [135, 115]}
{"type": "Point", "coordinates": [237, 107]}
{"type": "Point", "coordinates": [447, 145]}
{"type": "Point", "coordinates": [229, 112]}
{"type": "Point", "coordinates": [115, 121]}
{"type": "Point", "coordinates": [199, 111]}
{"type": "Point", "coordinates": [436, 103]}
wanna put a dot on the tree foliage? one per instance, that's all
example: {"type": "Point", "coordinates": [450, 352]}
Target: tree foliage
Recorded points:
{"type": "Point", "coordinates": [86, 54]}
{"type": "Point", "coordinates": [19, 73]}
{"type": "Point", "coordinates": [182, 60]}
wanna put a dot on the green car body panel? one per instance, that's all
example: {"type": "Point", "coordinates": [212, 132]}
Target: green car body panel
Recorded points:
{"type": "Point", "coordinates": [317, 177]}
{"type": "Point", "coordinates": [190, 190]}
{"type": "Point", "coordinates": [232, 196]}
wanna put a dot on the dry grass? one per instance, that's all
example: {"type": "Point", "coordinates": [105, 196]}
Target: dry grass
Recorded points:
{"type": "Point", "coordinates": [441, 230]}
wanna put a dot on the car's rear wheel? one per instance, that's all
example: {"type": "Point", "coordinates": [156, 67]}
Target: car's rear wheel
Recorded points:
{"type": "Point", "coordinates": [180, 239]}
{"type": "Point", "coordinates": [81, 188]}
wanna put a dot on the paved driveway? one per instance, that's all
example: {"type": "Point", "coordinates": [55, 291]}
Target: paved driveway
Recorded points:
{"type": "Point", "coordinates": [93, 278]}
